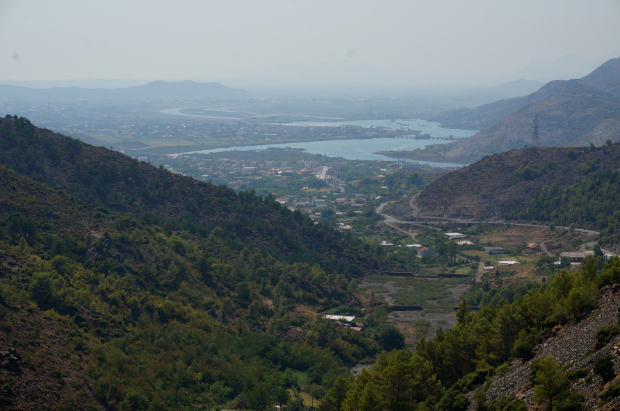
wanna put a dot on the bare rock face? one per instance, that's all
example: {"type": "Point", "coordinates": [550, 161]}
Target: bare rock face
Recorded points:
{"type": "Point", "coordinates": [10, 360]}
{"type": "Point", "coordinates": [573, 346]}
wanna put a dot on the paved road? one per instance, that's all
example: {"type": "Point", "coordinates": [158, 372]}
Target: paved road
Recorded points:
{"type": "Point", "coordinates": [391, 221]}
{"type": "Point", "coordinates": [322, 175]}
{"type": "Point", "coordinates": [543, 248]}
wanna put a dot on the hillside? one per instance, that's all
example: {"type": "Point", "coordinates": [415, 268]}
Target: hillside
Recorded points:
{"type": "Point", "coordinates": [100, 176]}
{"type": "Point", "coordinates": [497, 182]}
{"type": "Point", "coordinates": [554, 347]}
{"type": "Point", "coordinates": [573, 116]}
{"type": "Point", "coordinates": [506, 124]}
{"type": "Point", "coordinates": [100, 309]}
{"type": "Point", "coordinates": [574, 346]}
{"type": "Point", "coordinates": [606, 79]}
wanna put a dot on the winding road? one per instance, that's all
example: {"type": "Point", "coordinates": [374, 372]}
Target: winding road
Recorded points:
{"type": "Point", "coordinates": [392, 222]}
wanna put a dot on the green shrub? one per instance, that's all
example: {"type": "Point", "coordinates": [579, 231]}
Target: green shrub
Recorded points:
{"type": "Point", "coordinates": [604, 367]}
{"type": "Point", "coordinates": [472, 380]}
{"type": "Point", "coordinates": [568, 401]}
{"type": "Point", "coordinates": [573, 375]}
{"type": "Point", "coordinates": [605, 334]}
{"type": "Point", "coordinates": [510, 403]}
{"type": "Point", "coordinates": [609, 394]}
{"type": "Point", "coordinates": [454, 400]}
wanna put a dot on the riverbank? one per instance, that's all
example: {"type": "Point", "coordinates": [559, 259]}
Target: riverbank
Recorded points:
{"type": "Point", "coordinates": [428, 156]}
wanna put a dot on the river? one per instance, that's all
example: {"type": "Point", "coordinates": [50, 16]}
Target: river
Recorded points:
{"type": "Point", "coordinates": [350, 149]}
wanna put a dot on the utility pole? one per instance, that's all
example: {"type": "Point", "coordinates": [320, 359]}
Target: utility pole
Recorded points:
{"type": "Point", "coordinates": [535, 135]}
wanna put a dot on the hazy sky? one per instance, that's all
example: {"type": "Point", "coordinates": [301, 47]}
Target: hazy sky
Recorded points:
{"type": "Point", "coordinates": [156, 39]}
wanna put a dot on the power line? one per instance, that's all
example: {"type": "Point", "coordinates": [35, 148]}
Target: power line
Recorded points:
{"type": "Point", "coordinates": [535, 134]}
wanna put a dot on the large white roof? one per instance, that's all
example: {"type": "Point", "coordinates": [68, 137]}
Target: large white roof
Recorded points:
{"type": "Point", "coordinates": [340, 317]}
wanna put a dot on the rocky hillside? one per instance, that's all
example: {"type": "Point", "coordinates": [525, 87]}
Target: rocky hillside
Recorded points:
{"type": "Point", "coordinates": [562, 107]}
{"type": "Point", "coordinates": [573, 116]}
{"type": "Point", "coordinates": [484, 188]}
{"type": "Point", "coordinates": [575, 347]}
{"type": "Point", "coordinates": [605, 78]}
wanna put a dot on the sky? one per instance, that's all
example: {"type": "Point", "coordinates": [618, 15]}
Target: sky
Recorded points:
{"type": "Point", "coordinates": [191, 39]}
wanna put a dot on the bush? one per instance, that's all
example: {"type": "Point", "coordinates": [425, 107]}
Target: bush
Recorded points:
{"type": "Point", "coordinates": [609, 394]}
{"type": "Point", "coordinates": [510, 403]}
{"type": "Point", "coordinates": [391, 338]}
{"type": "Point", "coordinates": [568, 401]}
{"type": "Point", "coordinates": [41, 288]}
{"type": "Point", "coordinates": [604, 367]}
{"type": "Point", "coordinates": [573, 375]}
{"type": "Point", "coordinates": [454, 400]}
{"type": "Point", "coordinates": [472, 380]}
{"type": "Point", "coordinates": [605, 334]}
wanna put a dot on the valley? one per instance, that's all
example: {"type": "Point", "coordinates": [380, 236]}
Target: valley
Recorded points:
{"type": "Point", "coordinates": [283, 268]}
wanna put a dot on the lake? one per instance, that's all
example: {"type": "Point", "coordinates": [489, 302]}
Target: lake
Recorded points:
{"type": "Point", "coordinates": [427, 127]}
{"type": "Point", "coordinates": [352, 149]}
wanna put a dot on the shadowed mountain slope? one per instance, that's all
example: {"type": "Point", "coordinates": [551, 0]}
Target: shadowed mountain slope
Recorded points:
{"type": "Point", "coordinates": [104, 177]}
{"type": "Point", "coordinates": [496, 182]}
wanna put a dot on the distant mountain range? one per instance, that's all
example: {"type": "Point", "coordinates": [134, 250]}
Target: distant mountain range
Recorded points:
{"type": "Point", "coordinates": [571, 112]}
{"type": "Point", "coordinates": [515, 88]}
{"type": "Point", "coordinates": [181, 90]}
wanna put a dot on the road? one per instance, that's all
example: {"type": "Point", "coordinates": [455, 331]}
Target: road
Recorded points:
{"type": "Point", "coordinates": [392, 221]}
{"type": "Point", "coordinates": [322, 175]}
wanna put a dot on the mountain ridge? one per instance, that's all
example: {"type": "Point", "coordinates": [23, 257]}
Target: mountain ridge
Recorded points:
{"type": "Point", "coordinates": [101, 176]}
{"type": "Point", "coordinates": [502, 123]}
{"type": "Point", "coordinates": [154, 90]}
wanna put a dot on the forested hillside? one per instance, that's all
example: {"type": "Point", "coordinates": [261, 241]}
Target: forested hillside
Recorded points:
{"type": "Point", "coordinates": [480, 349]}
{"type": "Point", "coordinates": [593, 203]}
{"type": "Point", "coordinates": [149, 318]}
{"type": "Point", "coordinates": [107, 178]}
{"type": "Point", "coordinates": [499, 182]}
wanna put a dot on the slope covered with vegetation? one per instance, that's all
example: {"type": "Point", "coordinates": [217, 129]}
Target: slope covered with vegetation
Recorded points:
{"type": "Point", "coordinates": [501, 181]}
{"type": "Point", "coordinates": [461, 359]}
{"type": "Point", "coordinates": [103, 177]}
{"type": "Point", "coordinates": [158, 318]}
{"type": "Point", "coordinates": [593, 203]}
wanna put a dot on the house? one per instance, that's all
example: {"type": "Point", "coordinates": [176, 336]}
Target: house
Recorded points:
{"type": "Point", "coordinates": [415, 246]}
{"type": "Point", "coordinates": [385, 244]}
{"type": "Point", "coordinates": [575, 256]}
{"type": "Point", "coordinates": [410, 166]}
{"type": "Point", "coordinates": [494, 250]}
{"type": "Point", "coordinates": [507, 262]}
{"type": "Point", "coordinates": [455, 235]}
{"type": "Point", "coordinates": [426, 252]}
{"type": "Point", "coordinates": [333, 317]}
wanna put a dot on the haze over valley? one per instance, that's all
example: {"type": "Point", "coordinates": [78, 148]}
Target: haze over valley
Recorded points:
{"type": "Point", "coordinates": [326, 206]}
